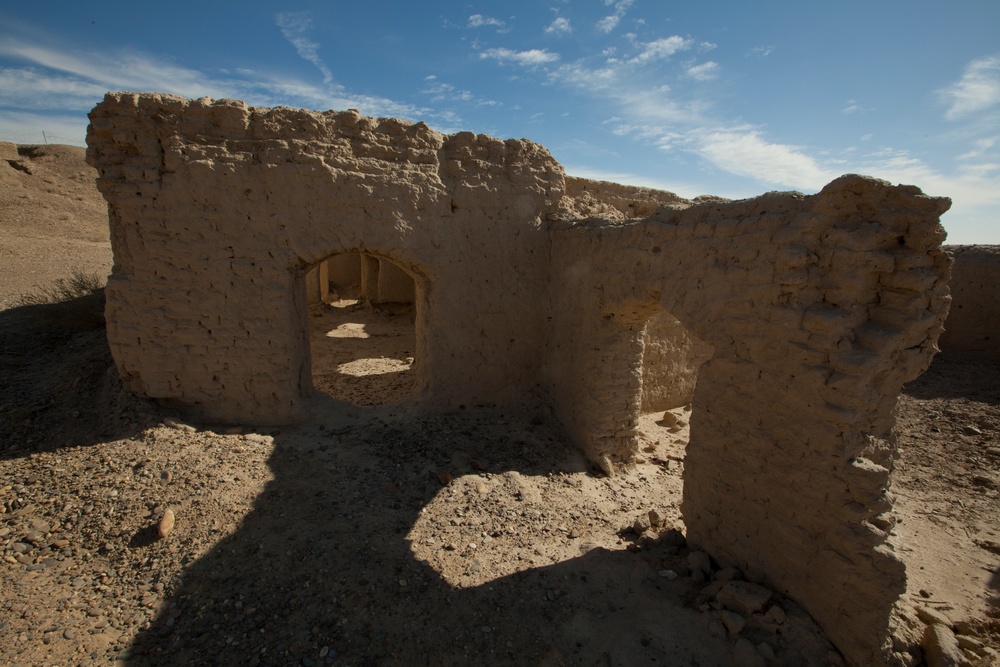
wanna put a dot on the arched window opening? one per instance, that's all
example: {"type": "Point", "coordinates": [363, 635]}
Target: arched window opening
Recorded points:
{"type": "Point", "coordinates": [362, 314]}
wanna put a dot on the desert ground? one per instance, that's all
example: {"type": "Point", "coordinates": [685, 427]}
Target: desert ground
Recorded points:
{"type": "Point", "coordinates": [373, 534]}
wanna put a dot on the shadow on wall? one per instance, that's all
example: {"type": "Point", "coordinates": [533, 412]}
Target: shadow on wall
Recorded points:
{"type": "Point", "coordinates": [362, 329]}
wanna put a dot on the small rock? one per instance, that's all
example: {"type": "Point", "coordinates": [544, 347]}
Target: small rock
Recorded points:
{"type": "Point", "coordinates": [655, 519]}
{"type": "Point", "coordinates": [969, 643]}
{"type": "Point", "coordinates": [971, 430]}
{"type": "Point", "coordinates": [776, 614]}
{"type": "Point", "coordinates": [640, 525]}
{"type": "Point", "coordinates": [20, 547]}
{"type": "Point", "coordinates": [745, 654]}
{"type": "Point", "coordinates": [743, 597]}
{"type": "Point", "coordinates": [68, 633]}
{"type": "Point", "coordinates": [734, 622]}
{"type": "Point", "coordinates": [767, 652]}
{"type": "Point", "coordinates": [933, 617]}
{"type": "Point", "coordinates": [941, 647]}
{"type": "Point", "coordinates": [178, 426]}
{"type": "Point", "coordinates": [699, 561]}
{"type": "Point", "coordinates": [669, 575]}
{"type": "Point", "coordinates": [444, 478]}
{"type": "Point", "coordinates": [166, 523]}
{"type": "Point", "coordinates": [575, 533]}
{"type": "Point", "coordinates": [323, 651]}
{"type": "Point", "coordinates": [728, 574]}
{"type": "Point", "coordinates": [717, 629]}
{"type": "Point", "coordinates": [166, 477]}
{"type": "Point", "coordinates": [480, 488]}
{"type": "Point", "coordinates": [669, 419]}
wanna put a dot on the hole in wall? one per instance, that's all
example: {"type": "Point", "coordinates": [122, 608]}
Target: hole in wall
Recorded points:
{"type": "Point", "coordinates": [362, 334]}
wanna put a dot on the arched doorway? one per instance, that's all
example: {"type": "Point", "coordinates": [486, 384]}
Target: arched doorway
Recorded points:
{"type": "Point", "coordinates": [362, 328]}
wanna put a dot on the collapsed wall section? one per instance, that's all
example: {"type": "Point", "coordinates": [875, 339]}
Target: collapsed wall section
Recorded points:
{"type": "Point", "coordinates": [817, 310]}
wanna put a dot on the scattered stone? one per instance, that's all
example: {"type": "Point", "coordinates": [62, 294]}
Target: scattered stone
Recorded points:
{"type": "Point", "coordinates": [941, 647]}
{"type": "Point", "coordinates": [971, 430]}
{"type": "Point", "coordinates": [745, 654]}
{"type": "Point", "coordinates": [743, 597]}
{"type": "Point", "coordinates": [699, 561]}
{"type": "Point", "coordinates": [166, 523]}
{"type": "Point", "coordinates": [669, 419]}
{"type": "Point", "coordinates": [641, 525]}
{"type": "Point", "coordinates": [444, 478]}
{"type": "Point", "coordinates": [20, 547]}
{"type": "Point", "coordinates": [728, 574]}
{"type": "Point", "coordinates": [575, 533]}
{"type": "Point", "coordinates": [166, 477]}
{"type": "Point", "coordinates": [933, 617]}
{"type": "Point", "coordinates": [178, 426]}
{"type": "Point", "coordinates": [767, 652]}
{"type": "Point", "coordinates": [969, 643]}
{"type": "Point", "coordinates": [669, 575]}
{"type": "Point", "coordinates": [68, 633]}
{"type": "Point", "coordinates": [734, 622]}
{"type": "Point", "coordinates": [655, 519]}
{"type": "Point", "coordinates": [776, 614]}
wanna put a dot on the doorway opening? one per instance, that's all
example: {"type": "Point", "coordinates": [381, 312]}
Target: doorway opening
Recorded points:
{"type": "Point", "coordinates": [671, 359]}
{"type": "Point", "coordinates": [362, 328]}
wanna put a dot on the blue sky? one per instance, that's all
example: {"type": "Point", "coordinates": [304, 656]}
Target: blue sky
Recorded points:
{"type": "Point", "coordinates": [728, 98]}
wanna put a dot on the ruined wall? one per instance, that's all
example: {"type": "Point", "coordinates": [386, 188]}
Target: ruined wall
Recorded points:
{"type": "Point", "coordinates": [217, 209]}
{"type": "Point", "coordinates": [973, 325]}
{"type": "Point", "coordinates": [816, 310]}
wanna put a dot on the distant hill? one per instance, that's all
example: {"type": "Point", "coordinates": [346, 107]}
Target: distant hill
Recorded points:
{"type": "Point", "coordinates": [52, 218]}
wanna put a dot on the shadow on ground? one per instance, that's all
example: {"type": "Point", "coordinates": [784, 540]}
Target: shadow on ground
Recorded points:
{"type": "Point", "coordinates": [321, 570]}
{"type": "Point", "coordinates": [958, 376]}
{"type": "Point", "coordinates": [58, 386]}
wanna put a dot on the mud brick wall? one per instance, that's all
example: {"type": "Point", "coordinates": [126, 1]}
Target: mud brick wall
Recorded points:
{"type": "Point", "coordinates": [973, 325]}
{"type": "Point", "coordinates": [815, 311]}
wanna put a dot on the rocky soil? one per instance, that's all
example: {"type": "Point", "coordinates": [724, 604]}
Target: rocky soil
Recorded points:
{"type": "Point", "coordinates": [376, 535]}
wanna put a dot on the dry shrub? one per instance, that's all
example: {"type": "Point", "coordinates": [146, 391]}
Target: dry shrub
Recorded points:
{"type": "Point", "coordinates": [74, 303]}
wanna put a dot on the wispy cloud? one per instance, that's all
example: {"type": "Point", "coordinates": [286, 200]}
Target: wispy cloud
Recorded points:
{"type": "Point", "coordinates": [850, 107]}
{"type": "Point", "coordinates": [745, 152]}
{"type": "Point", "coordinates": [704, 72]}
{"type": "Point", "coordinates": [296, 27]}
{"type": "Point", "coordinates": [977, 90]}
{"type": "Point", "coordinates": [530, 57]}
{"type": "Point", "coordinates": [560, 26]}
{"type": "Point", "coordinates": [440, 91]}
{"type": "Point", "coordinates": [56, 79]}
{"type": "Point", "coordinates": [661, 49]}
{"type": "Point", "coordinates": [610, 22]}
{"type": "Point", "coordinates": [761, 51]}
{"type": "Point", "coordinates": [479, 21]}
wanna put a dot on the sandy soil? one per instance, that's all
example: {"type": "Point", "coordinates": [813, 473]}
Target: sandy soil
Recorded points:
{"type": "Point", "coordinates": [374, 535]}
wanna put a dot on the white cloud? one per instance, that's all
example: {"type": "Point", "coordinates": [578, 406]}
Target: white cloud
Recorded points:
{"type": "Point", "coordinates": [296, 26]}
{"type": "Point", "coordinates": [478, 21]}
{"type": "Point", "coordinates": [63, 80]}
{"type": "Point", "coordinates": [560, 26]}
{"type": "Point", "coordinates": [761, 51]}
{"type": "Point", "coordinates": [661, 49]}
{"type": "Point", "coordinates": [980, 148]}
{"type": "Point", "coordinates": [704, 72]}
{"type": "Point", "coordinates": [851, 107]}
{"type": "Point", "coordinates": [531, 57]}
{"type": "Point", "coordinates": [609, 23]}
{"type": "Point", "coordinates": [743, 151]}
{"type": "Point", "coordinates": [977, 90]}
